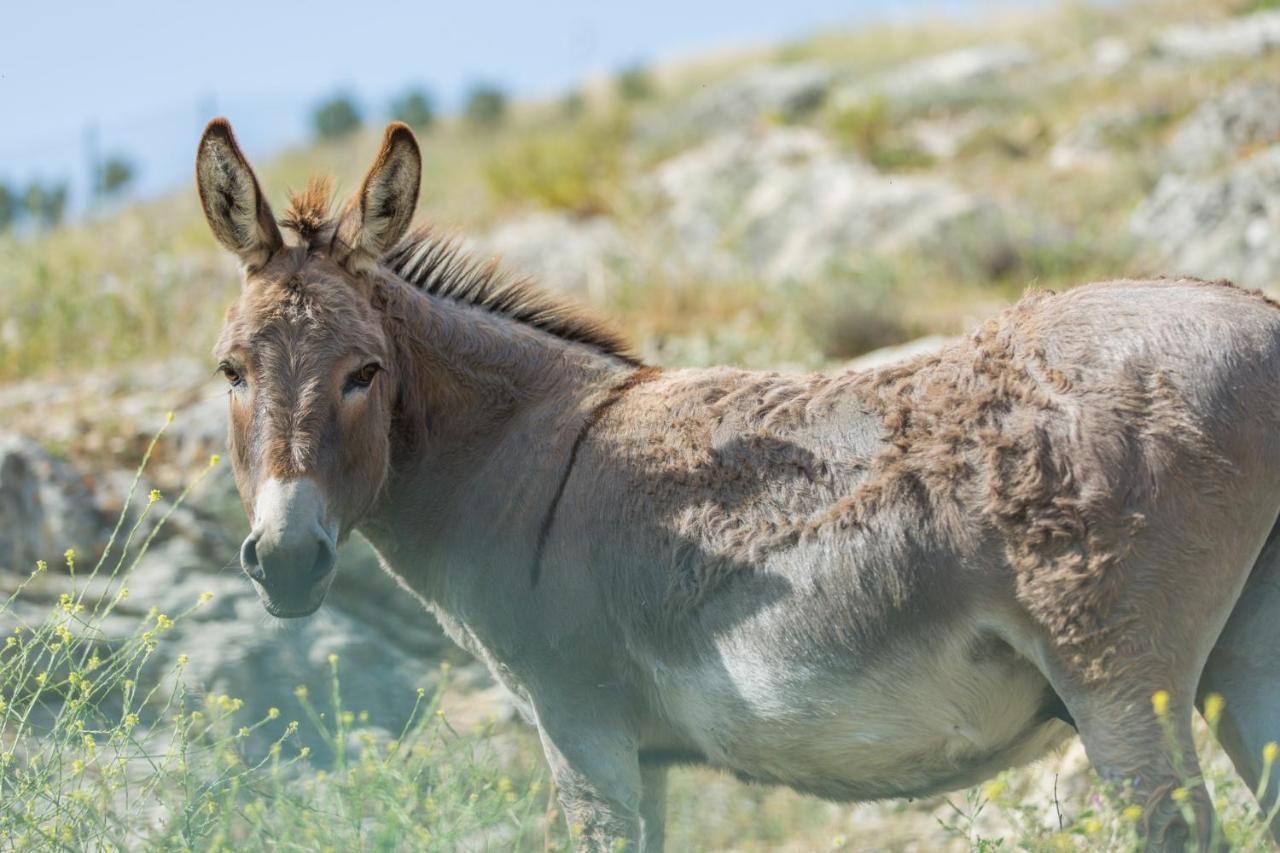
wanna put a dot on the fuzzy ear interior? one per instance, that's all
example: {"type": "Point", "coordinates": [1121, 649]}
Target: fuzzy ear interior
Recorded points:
{"type": "Point", "coordinates": [238, 214]}
{"type": "Point", "coordinates": [382, 211]}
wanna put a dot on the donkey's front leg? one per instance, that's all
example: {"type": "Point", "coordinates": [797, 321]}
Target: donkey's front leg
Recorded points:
{"type": "Point", "coordinates": [596, 768]}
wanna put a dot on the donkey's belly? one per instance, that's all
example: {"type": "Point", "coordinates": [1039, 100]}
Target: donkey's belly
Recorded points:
{"type": "Point", "coordinates": [928, 721]}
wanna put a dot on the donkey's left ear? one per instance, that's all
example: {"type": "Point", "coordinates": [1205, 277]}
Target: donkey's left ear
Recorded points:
{"type": "Point", "coordinates": [381, 213]}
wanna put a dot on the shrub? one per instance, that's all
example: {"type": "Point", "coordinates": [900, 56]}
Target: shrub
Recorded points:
{"type": "Point", "coordinates": [860, 310]}
{"type": "Point", "coordinates": [868, 127]}
{"type": "Point", "coordinates": [10, 207]}
{"type": "Point", "coordinates": [336, 117]}
{"type": "Point", "coordinates": [415, 108]}
{"type": "Point", "coordinates": [485, 106]}
{"type": "Point", "coordinates": [115, 174]}
{"type": "Point", "coordinates": [634, 83]}
{"type": "Point", "coordinates": [576, 169]}
{"type": "Point", "coordinates": [46, 204]}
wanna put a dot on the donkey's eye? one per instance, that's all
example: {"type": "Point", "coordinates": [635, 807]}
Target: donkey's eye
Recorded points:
{"type": "Point", "coordinates": [233, 375]}
{"type": "Point", "coordinates": [363, 377]}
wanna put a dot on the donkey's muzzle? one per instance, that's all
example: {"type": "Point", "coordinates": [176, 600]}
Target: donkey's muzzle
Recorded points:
{"type": "Point", "coordinates": [290, 555]}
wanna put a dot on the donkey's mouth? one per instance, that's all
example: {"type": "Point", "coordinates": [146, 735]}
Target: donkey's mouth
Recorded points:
{"type": "Point", "coordinates": [281, 613]}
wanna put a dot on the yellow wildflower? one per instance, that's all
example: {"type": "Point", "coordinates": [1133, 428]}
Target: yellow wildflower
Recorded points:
{"type": "Point", "coordinates": [1160, 702]}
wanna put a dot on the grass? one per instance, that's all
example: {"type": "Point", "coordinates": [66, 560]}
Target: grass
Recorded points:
{"type": "Point", "coordinates": [99, 750]}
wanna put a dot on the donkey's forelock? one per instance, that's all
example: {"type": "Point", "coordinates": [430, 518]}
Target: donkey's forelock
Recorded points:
{"type": "Point", "coordinates": [310, 214]}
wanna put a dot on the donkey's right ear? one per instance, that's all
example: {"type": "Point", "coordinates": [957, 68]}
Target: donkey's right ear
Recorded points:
{"type": "Point", "coordinates": [233, 202]}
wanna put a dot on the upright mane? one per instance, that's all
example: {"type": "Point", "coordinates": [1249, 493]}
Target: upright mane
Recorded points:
{"type": "Point", "coordinates": [437, 265]}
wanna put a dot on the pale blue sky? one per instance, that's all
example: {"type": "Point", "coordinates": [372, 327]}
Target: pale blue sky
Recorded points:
{"type": "Point", "coordinates": [148, 75]}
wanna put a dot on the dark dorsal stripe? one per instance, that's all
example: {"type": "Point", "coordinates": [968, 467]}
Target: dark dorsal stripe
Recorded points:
{"type": "Point", "coordinates": [616, 393]}
{"type": "Point", "coordinates": [438, 266]}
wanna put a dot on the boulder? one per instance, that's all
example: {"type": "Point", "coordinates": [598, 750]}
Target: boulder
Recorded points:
{"type": "Point", "coordinates": [1243, 37]}
{"type": "Point", "coordinates": [583, 257]}
{"type": "Point", "coordinates": [786, 205]}
{"type": "Point", "coordinates": [1094, 141]}
{"type": "Point", "coordinates": [1218, 226]}
{"type": "Point", "coordinates": [788, 92]}
{"type": "Point", "coordinates": [940, 76]}
{"type": "Point", "coordinates": [1109, 55]}
{"type": "Point", "coordinates": [1245, 115]}
{"type": "Point", "coordinates": [45, 507]}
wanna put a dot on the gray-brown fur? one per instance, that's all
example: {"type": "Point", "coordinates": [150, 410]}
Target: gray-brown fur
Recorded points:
{"type": "Point", "coordinates": [862, 585]}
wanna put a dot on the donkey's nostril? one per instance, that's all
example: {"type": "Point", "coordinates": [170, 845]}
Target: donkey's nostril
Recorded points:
{"type": "Point", "coordinates": [326, 556]}
{"type": "Point", "coordinates": [249, 560]}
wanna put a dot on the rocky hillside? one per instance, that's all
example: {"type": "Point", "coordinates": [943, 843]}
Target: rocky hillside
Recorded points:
{"type": "Point", "coordinates": [795, 207]}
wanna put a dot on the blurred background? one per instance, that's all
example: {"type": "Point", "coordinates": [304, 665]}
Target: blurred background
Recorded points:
{"type": "Point", "coordinates": [804, 185]}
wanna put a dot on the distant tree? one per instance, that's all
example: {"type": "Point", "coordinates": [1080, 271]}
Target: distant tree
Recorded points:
{"type": "Point", "coordinates": [114, 175]}
{"type": "Point", "coordinates": [573, 105]}
{"type": "Point", "coordinates": [10, 207]}
{"type": "Point", "coordinates": [46, 203]}
{"type": "Point", "coordinates": [486, 106]}
{"type": "Point", "coordinates": [415, 108]}
{"type": "Point", "coordinates": [635, 83]}
{"type": "Point", "coordinates": [336, 117]}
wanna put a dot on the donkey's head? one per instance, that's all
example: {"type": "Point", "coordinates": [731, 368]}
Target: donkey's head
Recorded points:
{"type": "Point", "coordinates": [311, 370]}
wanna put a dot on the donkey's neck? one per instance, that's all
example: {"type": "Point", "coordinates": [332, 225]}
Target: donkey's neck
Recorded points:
{"type": "Point", "coordinates": [489, 416]}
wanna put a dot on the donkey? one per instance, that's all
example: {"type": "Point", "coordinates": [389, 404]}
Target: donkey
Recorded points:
{"type": "Point", "coordinates": [875, 584]}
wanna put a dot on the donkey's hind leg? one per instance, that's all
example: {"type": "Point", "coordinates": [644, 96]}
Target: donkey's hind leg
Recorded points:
{"type": "Point", "coordinates": [1244, 668]}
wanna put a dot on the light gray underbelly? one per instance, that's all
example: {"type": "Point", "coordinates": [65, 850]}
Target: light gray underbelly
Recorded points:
{"type": "Point", "coordinates": [924, 717]}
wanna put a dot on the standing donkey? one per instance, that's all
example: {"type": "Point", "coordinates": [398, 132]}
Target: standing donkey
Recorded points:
{"type": "Point", "coordinates": [873, 584]}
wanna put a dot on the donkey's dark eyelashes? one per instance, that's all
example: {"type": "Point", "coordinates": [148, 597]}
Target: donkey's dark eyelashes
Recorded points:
{"type": "Point", "coordinates": [232, 375]}
{"type": "Point", "coordinates": [362, 378]}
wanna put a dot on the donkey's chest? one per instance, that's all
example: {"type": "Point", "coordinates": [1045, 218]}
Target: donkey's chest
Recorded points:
{"type": "Point", "coordinates": [932, 718]}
